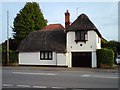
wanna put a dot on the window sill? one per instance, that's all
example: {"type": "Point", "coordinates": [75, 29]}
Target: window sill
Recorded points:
{"type": "Point", "coordinates": [44, 59]}
{"type": "Point", "coordinates": [81, 41]}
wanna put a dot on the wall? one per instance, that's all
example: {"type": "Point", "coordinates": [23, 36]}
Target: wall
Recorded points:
{"type": "Point", "coordinates": [33, 58]}
{"type": "Point", "coordinates": [69, 59]}
{"type": "Point", "coordinates": [61, 59]}
{"type": "Point", "coordinates": [94, 60]}
{"type": "Point", "coordinates": [98, 42]}
{"type": "Point", "coordinates": [90, 45]}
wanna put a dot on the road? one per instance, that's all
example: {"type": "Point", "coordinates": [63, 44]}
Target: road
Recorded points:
{"type": "Point", "coordinates": [30, 77]}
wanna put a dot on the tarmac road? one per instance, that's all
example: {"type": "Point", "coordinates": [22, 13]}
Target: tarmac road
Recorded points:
{"type": "Point", "coordinates": [52, 77]}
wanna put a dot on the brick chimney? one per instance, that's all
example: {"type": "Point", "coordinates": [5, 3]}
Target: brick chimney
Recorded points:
{"type": "Point", "coordinates": [67, 19]}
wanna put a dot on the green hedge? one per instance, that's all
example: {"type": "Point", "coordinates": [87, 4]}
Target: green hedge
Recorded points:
{"type": "Point", "coordinates": [105, 56]}
{"type": "Point", "coordinates": [13, 57]}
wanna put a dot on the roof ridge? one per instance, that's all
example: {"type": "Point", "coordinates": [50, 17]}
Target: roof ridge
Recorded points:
{"type": "Point", "coordinates": [83, 16]}
{"type": "Point", "coordinates": [55, 24]}
{"type": "Point", "coordinates": [54, 27]}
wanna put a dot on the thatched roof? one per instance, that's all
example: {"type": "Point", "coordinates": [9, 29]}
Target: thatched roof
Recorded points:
{"type": "Point", "coordinates": [54, 27]}
{"type": "Point", "coordinates": [83, 23]}
{"type": "Point", "coordinates": [51, 40]}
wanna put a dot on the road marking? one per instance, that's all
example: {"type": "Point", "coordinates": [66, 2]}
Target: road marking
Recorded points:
{"type": "Point", "coordinates": [23, 86]}
{"type": "Point", "coordinates": [85, 75]}
{"type": "Point", "coordinates": [39, 86]}
{"type": "Point", "coordinates": [106, 77]}
{"type": "Point", "coordinates": [51, 74]}
{"type": "Point", "coordinates": [7, 85]}
{"type": "Point", "coordinates": [98, 76]}
{"type": "Point", "coordinates": [56, 87]}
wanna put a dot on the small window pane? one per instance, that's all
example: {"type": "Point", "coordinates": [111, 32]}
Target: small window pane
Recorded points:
{"type": "Point", "coordinates": [82, 36]}
{"type": "Point", "coordinates": [98, 39]}
{"type": "Point", "coordinates": [77, 35]}
{"type": "Point", "coordinates": [42, 55]}
{"type": "Point", "coordinates": [50, 55]}
{"type": "Point", "coordinates": [46, 56]}
{"type": "Point", "coordinates": [86, 36]}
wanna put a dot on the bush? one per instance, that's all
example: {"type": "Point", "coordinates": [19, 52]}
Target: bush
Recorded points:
{"type": "Point", "coordinates": [13, 57]}
{"type": "Point", "coordinates": [114, 45]}
{"type": "Point", "coordinates": [105, 56]}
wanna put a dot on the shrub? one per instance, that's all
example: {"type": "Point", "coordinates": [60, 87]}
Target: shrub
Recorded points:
{"type": "Point", "coordinates": [114, 45]}
{"type": "Point", "coordinates": [13, 57]}
{"type": "Point", "coordinates": [105, 56]}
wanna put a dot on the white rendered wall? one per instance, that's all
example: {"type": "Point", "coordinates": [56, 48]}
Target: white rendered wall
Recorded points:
{"type": "Point", "coordinates": [94, 60]}
{"type": "Point", "coordinates": [69, 59]}
{"type": "Point", "coordinates": [90, 45]}
{"type": "Point", "coordinates": [61, 59]}
{"type": "Point", "coordinates": [98, 42]}
{"type": "Point", "coordinates": [33, 58]}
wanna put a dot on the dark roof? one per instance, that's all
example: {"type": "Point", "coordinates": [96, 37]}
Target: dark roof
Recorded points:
{"type": "Point", "coordinates": [51, 40]}
{"type": "Point", "coordinates": [54, 27]}
{"type": "Point", "coordinates": [83, 23]}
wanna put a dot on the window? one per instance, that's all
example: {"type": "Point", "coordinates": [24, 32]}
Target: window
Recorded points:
{"type": "Point", "coordinates": [98, 39]}
{"type": "Point", "coordinates": [81, 36]}
{"type": "Point", "coordinates": [45, 55]}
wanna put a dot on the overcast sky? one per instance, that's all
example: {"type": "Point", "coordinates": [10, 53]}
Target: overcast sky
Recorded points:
{"type": "Point", "coordinates": [103, 14]}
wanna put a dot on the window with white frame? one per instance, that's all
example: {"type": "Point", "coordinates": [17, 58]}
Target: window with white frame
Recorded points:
{"type": "Point", "coordinates": [98, 39]}
{"type": "Point", "coordinates": [45, 55]}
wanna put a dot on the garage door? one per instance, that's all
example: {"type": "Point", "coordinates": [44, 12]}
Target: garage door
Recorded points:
{"type": "Point", "coordinates": [81, 59]}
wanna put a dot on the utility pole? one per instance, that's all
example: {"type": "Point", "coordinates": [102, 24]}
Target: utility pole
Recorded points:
{"type": "Point", "coordinates": [8, 38]}
{"type": "Point", "coordinates": [77, 12]}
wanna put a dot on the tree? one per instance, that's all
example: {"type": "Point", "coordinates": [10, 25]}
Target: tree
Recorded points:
{"type": "Point", "coordinates": [29, 19]}
{"type": "Point", "coordinates": [103, 42]}
{"type": "Point", "coordinates": [114, 45]}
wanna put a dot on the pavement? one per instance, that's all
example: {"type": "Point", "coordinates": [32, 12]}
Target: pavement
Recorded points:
{"type": "Point", "coordinates": [76, 69]}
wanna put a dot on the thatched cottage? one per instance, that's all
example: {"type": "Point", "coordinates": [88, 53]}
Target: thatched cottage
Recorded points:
{"type": "Point", "coordinates": [72, 46]}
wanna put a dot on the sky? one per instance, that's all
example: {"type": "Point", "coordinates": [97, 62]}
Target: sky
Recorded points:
{"type": "Point", "coordinates": [104, 15]}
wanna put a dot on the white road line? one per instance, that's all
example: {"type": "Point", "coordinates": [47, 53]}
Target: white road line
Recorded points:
{"type": "Point", "coordinates": [56, 87]}
{"type": "Point", "coordinates": [7, 85]}
{"type": "Point", "coordinates": [85, 75]}
{"type": "Point", "coordinates": [98, 76]}
{"type": "Point", "coordinates": [23, 86]}
{"type": "Point", "coordinates": [51, 74]}
{"type": "Point", "coordinates": [39, 86]}
{"type": "Point", "coordinates": [106, 77]}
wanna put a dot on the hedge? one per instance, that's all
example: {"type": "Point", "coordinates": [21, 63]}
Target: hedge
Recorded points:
{"type": "Point", "coordinates": [13, 57]}
{"type": "Point", "coordinates": [105, 56]}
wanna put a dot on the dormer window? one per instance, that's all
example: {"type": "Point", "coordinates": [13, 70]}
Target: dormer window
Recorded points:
{"type": "Point", "coordinates": [81, 36]}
